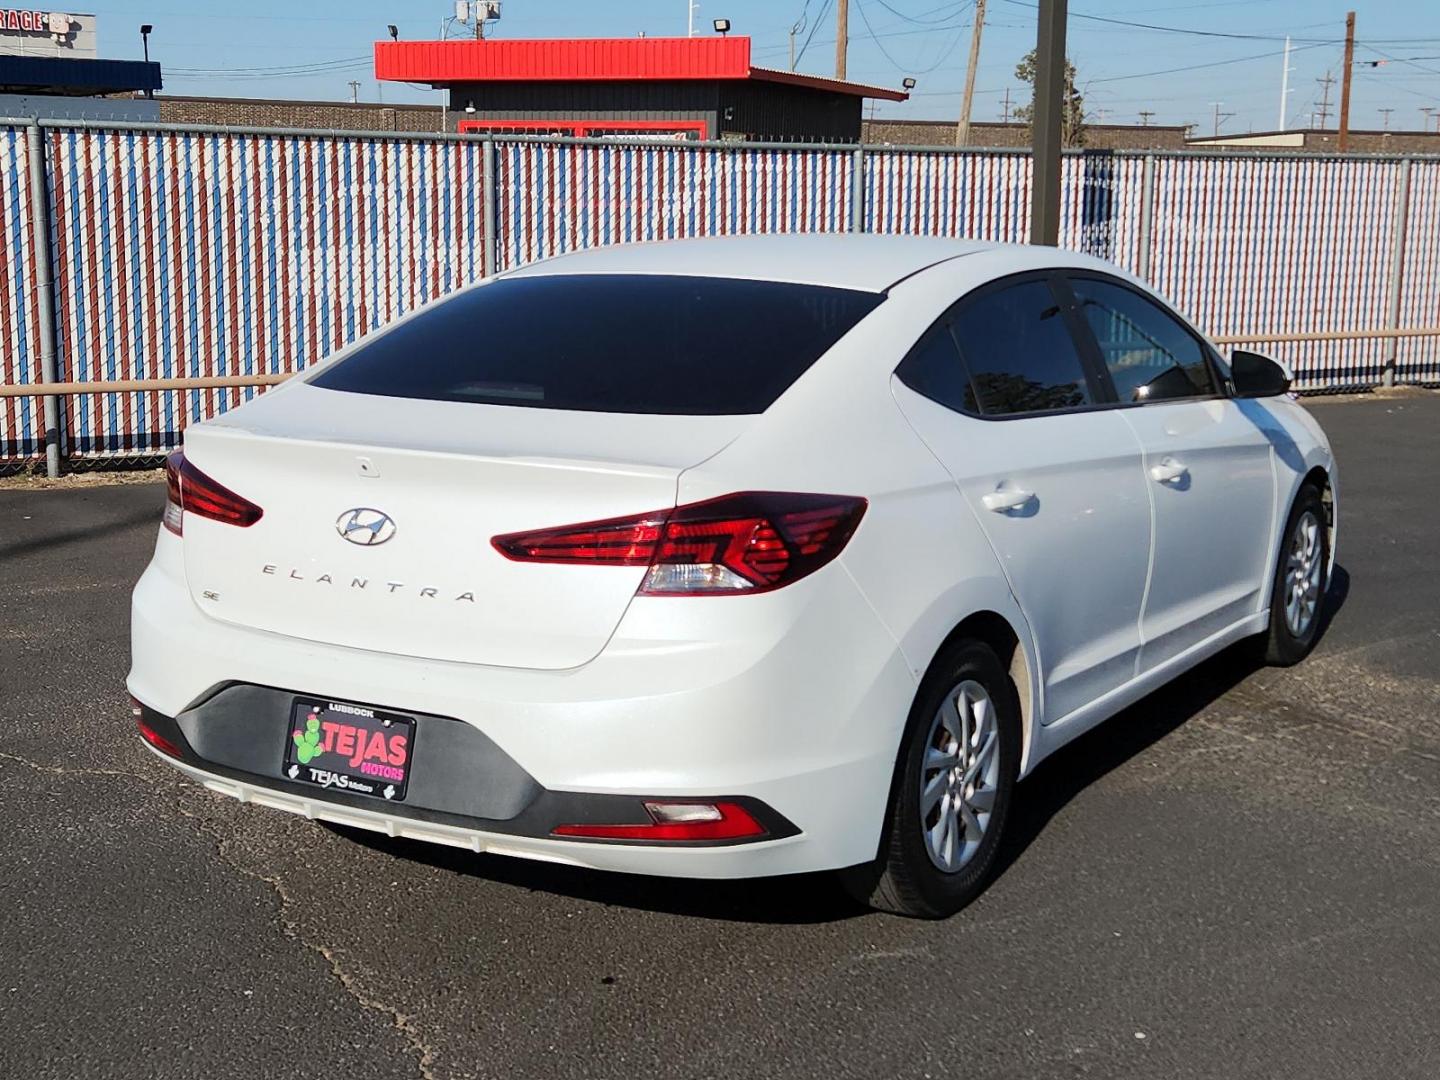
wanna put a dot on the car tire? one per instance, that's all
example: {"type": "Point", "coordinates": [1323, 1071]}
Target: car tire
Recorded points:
{"type": "Point", "coordinates": [947, 768]}
{"type": "Point", "coordinates": [1302, 578]}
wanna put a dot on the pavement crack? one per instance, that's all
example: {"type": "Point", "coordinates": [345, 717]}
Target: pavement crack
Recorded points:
{"type": "Point", "coordinates": [69, 770]}
{"type": "Point", "coordinates": [403, 1023]}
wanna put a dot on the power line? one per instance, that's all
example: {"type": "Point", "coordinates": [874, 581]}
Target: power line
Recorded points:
{"type": "Point", "coordinates": [1402, 60]}
{"type": "Point", "coordinates": [865, 18]}
{"type": "Point", "coordinates": [819, 21]}
{"type": "Point", "coordinates": [920, 20]}
{"type": "Point", "coordinates": [1184, 30]}
{"type": "Point", "coordinates": [318, 65]}
{"type": "Point", "coordinates": [768, 49]}
{"type": "Point", "coordinates": [1197, 67]}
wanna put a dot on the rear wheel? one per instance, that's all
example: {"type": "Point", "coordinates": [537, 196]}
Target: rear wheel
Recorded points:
{"type": "Point", "coordinates": [952, 789]}
{"type": "Point", "coordinates": [1301, 579]}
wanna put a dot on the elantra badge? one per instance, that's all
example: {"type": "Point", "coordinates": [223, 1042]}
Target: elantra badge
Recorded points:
{"type": "Point", "coordinates": [365, 527]}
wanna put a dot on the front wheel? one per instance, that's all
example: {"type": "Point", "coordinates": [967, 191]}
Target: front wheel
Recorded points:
{"type": "Point", "coordinates": [1301, 579]}
{"type": "Point", "coordinates": [952, 789]}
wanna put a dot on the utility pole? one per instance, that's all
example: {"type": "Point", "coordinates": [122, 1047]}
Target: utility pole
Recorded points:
{"type": "Point", "coordinates": [1386, 114]}
{"type": "Point", "coordinates": [1220, 117]}
{"type": "Point", "coordinates": [1345, 82]}
{"type": "Point", "coordinates": [962, 133]}
{"type": "Point", "coordinates": [1005, 106]}
{"type": "Point", "coordinates": [1324, 111]}
{"type": "Point", "coordinates": [354, 92]}
{"type": "Point", "coordinates": [1145, 115]}
{"type": "Point", "coordinates": [693, 6]}
{"type": "Point", "coordinates": [1284, 87]}
{"type": "Point", "coordinates": [842, 37]}
{"type": "Point", "coordinates": [1049, 107]}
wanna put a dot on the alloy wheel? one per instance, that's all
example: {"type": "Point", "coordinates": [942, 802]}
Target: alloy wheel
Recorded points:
{"type": "Point", "coordinates": [1304, 568]}
{"type": "Point", "coordinates": [958, 776]}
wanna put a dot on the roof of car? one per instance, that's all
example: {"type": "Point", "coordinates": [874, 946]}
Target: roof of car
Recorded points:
{"type": "Point", "coordinates": [867, 262]}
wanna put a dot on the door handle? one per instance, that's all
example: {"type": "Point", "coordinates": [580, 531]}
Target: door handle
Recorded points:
{"type": "Point", "coordinates": [1168, 471]}
{"type": "Point", "coordinates": [1006, 499]}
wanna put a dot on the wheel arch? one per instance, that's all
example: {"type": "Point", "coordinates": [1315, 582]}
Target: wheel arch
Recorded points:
{"type": "Point", "coordinates": [997, 631]}
{"type": "Point", "coordinates": [1322, 477]}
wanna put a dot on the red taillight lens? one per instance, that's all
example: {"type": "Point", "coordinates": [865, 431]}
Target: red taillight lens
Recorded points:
{"type": "Point", "coordinates": [670, 822]}
{"type": "Point", "coordinates": [750, 542]}
{"type": "Point", "coordinates": [188, 490]}
{"type": "Point", "coordinates": [157, 740]}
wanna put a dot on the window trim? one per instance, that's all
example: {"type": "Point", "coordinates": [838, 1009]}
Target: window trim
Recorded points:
{"type": "Point", "coordinates": [1220, 385]}
{"type": "Point", "coordinates": [1091, 365]}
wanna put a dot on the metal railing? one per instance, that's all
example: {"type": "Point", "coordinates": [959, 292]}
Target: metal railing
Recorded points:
{"type": "Point", "coordinates": [227, 382]}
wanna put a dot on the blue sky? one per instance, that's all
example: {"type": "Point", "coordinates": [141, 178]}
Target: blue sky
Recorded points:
{"type": "Point", "coordinates": [275, 48]}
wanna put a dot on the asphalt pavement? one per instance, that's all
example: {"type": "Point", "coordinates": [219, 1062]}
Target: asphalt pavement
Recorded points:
{"type": "Point", "coordinates": [1238, 877]}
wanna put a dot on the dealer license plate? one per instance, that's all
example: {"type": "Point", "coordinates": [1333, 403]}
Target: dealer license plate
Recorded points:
{"type": "Point", "coordinates": [349, 748]}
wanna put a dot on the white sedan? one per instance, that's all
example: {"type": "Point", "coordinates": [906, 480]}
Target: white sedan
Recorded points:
{"type": "Point", "coordinates": [726, 558]}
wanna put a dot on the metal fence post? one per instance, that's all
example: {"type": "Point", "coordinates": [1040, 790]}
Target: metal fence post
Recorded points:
{"type": "Point", "coordinates": [40, 252]}
{"type": "Point", "coordinates": [857, 191]}
{"type": "Point", "coordinates": [1397, 267]}
{"type": "Point", "coordinates": [489, 179]}
{"type": "Point", "coordinates": [1147, 219]}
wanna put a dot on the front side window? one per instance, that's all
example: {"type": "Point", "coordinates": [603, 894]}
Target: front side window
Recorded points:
{"type": "Point", "coordinates": [613, 343]}
{"type": "Point", "coordinates": [1020, 352]}
{"type": "Point", "coordinates": [1149, 354]}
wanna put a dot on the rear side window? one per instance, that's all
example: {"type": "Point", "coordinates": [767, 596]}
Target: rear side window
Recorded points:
{"type": "Point", "coordinates": [1149, 354]}
{"type": "Point", "coordinates": [934, 369]}
{"type": "Point", "coordinates": [687, 346]}
{"type": "Point", "coordinates": [1020, 352]}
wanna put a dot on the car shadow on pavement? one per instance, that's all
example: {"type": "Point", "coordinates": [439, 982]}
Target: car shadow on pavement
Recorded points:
{"type": "Point", "coordinates": [797, 899]}
{"type": "Point", "coordinates": [144, 515]}
{"type": "Point", "coordinates": [1072, 769]}
{"type": "Point", "coordinates": [818, 898]}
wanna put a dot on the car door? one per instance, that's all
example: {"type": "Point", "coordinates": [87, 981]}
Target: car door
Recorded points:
{"type": "Point", "coordinates": [1208, 467]}
{"type": "Point", "coordinates": [1004, 398]}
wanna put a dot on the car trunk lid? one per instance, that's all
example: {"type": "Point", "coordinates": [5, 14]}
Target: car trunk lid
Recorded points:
{"type": "Point", "coordinates": [446, 477]}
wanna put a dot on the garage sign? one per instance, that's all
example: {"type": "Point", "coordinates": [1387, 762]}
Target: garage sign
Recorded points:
{"type": "Point", "coordinates": [24, 21]}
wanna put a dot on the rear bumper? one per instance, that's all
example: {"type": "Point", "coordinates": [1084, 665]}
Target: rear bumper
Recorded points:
{"type": "Point", "coordinates": [756, 859]}
{"type": "Point", "coordinates": [794, 701]}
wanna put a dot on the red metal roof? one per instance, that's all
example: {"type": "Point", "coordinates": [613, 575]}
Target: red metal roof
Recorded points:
{"type": "Point", "coordinates": [590, 60]}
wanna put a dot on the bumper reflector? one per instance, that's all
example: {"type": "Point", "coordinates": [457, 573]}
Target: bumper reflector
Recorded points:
{"type": "Point", "coordinates": [150, 735]}
{"type": "Point", "coordinates": [676, 822]}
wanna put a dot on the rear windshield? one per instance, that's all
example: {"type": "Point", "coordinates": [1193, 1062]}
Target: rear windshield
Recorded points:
{"type": "Point", "coordinates": [688, 346]}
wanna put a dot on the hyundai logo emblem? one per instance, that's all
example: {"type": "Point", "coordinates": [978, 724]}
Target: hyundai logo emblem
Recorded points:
{"type": "Point", "coordinates": [365, 527]}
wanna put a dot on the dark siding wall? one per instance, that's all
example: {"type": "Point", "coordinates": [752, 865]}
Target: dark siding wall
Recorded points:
{"type": "Point", "coordinates": [779, 113]}
{"type": "Point", "coordinates": [647, 101]}
{"type": "Point", "coordinates": [755, 110]}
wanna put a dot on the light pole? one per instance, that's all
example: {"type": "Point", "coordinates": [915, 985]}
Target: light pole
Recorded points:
{"type": "Point", "coordinates": [145, 31]}
{"type": "Point", "coordinates": [1049, 107]}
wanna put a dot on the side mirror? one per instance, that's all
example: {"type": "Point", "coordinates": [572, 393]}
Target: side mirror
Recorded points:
{"type": "Point", "coordinates": [1258, 376]}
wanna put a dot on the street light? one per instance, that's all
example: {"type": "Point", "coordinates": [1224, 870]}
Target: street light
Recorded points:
{"type": "Point", "coordinates": [722, 26]}
{"type": "Point", "coordinates": [145, 30]}
{"type": "Point", "coordinates": [907, 84]}
{"type": "Point", "coordinates": [394, 32]}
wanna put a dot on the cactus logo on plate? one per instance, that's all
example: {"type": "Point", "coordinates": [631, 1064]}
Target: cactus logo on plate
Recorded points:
{"type": "Point", "coordinates": [349, 748]}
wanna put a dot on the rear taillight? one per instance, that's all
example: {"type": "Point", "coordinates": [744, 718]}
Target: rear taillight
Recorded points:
{"type": "Point", "coordinates": [672, 822]}
{"type": "Point", "coordinates": [150, 735]}
{"type": "Point", "coordinates": [190, 491]}
{"type": "Point", "coordinates": [745, 543]}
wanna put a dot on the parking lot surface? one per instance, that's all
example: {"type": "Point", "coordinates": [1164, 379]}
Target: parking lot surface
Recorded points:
{"type": "Point", "coordinates": [1238, 877]}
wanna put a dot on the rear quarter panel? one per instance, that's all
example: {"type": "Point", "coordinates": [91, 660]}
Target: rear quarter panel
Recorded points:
{"type": "Point", "coordinates": [919, 557]}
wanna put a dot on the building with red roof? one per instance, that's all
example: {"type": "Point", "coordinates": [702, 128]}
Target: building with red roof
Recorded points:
{"type": "Point", "coordinates": [695, 88]}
